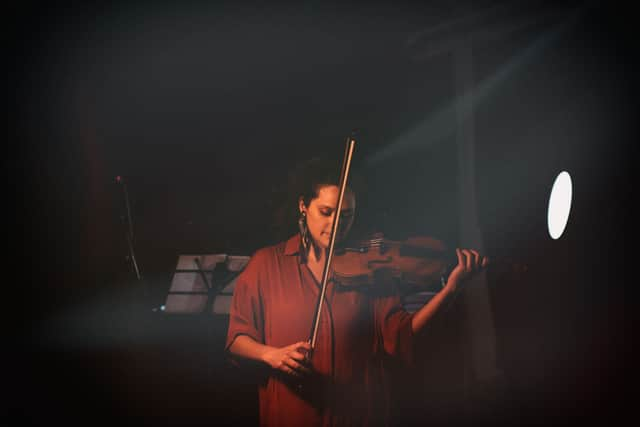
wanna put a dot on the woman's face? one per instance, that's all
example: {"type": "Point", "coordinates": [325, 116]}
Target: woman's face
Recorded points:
{"type": "Point", "coordinates": [321, 211]}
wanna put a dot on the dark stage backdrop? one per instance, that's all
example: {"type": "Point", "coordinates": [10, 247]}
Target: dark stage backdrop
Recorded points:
{"type": "Point", "coordinates": [202, 109]}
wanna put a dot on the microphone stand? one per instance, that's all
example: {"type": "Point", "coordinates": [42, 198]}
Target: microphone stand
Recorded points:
{"type": "Point", "coordinates": [129, 232]}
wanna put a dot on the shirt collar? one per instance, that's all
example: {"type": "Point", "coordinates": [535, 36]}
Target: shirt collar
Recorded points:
{"type": "Point", "coordinates": [292, 246]}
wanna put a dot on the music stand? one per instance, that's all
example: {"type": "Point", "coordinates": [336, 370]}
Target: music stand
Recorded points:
{"type": "Point", "coordinates": [204, 283]}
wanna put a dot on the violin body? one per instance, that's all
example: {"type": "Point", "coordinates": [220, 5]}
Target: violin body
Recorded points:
{"type": "Point", "coordinates": [420, 262]}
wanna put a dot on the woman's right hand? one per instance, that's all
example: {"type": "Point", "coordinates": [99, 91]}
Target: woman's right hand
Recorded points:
{"type": "Point", "coordinates": [291, 359]}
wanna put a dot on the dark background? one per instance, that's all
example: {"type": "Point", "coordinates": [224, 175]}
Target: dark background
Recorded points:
{"type": "Point", "coordinates": [203, 108]}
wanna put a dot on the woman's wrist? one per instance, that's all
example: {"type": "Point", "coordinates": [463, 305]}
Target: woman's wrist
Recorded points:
{"type": "Point", "coordinates": [449, 288]}
{"type": "Point", "coordinates": [265, 356]}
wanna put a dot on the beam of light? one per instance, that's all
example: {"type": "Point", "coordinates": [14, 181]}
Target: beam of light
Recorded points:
{"type": "Point", "coordinates": [559, 205]}
{"type": "Point", "coordinates": [442, 123]}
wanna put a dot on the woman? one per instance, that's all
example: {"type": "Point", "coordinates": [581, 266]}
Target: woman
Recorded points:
{"type": "Point", "coordinates": [360, 330]}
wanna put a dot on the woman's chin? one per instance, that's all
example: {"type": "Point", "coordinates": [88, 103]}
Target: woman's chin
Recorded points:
{"type": "Point", "coordinates": [325, 239]}
{"type": "Point", "coordinates": [322, 243]}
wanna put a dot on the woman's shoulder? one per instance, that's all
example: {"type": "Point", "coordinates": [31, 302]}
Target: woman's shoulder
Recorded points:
{"type": "Point", "coordinates": [272, 251]}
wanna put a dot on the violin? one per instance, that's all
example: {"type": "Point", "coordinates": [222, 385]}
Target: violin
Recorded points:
{"type": "Point", "coordinates": [417, 263]}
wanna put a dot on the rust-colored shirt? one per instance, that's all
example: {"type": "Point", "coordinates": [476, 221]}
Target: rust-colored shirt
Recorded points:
{"type": "Point", "coordinates": [274, 303]}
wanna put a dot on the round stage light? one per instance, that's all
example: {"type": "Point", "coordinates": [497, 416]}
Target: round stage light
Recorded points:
{"type": "Point", "coordinates": [559, 205]}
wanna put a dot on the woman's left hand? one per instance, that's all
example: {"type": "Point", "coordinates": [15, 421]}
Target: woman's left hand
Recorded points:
{"type": "Point", "coordinates": [470, 262]}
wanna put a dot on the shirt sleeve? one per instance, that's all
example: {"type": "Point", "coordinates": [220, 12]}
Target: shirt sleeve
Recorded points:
{"type": "Point", "coordinates": [393, 325]}
{"type": "Point", "coordinates": [246, 311]}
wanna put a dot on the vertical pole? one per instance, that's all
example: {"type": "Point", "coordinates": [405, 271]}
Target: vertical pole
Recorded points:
{"type": "Point", "coordinates": [479, 326]}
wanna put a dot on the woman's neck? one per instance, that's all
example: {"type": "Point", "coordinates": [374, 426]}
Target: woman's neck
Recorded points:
{"type": "Point", "coordinates": [317, 255]}
{"type": "Point", "coordinates": [315, 262]}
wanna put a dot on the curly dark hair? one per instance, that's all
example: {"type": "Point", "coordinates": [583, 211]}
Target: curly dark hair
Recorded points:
{"type": "Point", "coordinates": [305, 180]}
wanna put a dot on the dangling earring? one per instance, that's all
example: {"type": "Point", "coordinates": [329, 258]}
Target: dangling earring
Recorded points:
{"type": "Point", "coordinates": [304, 231]}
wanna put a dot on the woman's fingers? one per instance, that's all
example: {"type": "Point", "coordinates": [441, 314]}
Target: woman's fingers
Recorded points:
{"type": "Point", "coordinates": [294, 360]}
{"type": "Point", "coordinates": [476, 258]}
{"type": "Point", "coordinates": [297, 366]}
{"type": "Point", "coordinates": [460, 255]}
{"type": "Point", "coordinates": [303, 347]}
{"type": "Point", "coordinates": [299, 357]}
{"type": "Point", "coordinates": [464, 259]}
{"type": "Point", "coordinates": [289, 370]}
{"type": "Point", "coordinates": [301, 344]}
{"type": "Point", "coordinates": [470, 259]}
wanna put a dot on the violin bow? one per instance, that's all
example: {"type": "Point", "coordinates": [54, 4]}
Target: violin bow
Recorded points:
{"type": "Point", "coordinates": [344, 175]}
